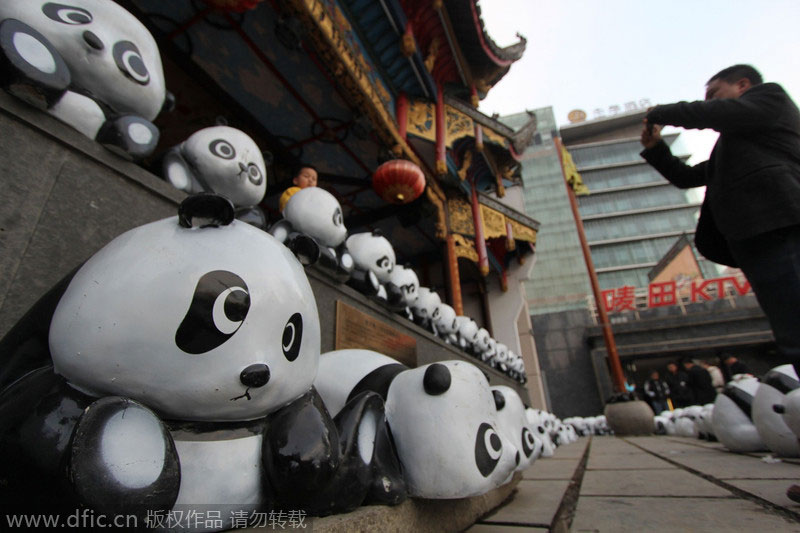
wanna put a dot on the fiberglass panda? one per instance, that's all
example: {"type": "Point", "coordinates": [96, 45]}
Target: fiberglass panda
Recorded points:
{"type": "Point", "coordinates": [442, 418]}
{"type": "Point", "coordinates": [375, 260]}
{"type": "Point", "coordinates": [313, 228]}
{"type": "Point", "coordinates": [222, 160]}
{"type": "Point", "coordinates": [513, 425]}
{"type": "Point", "coordinates": [731, 419]}
{"type": "Point", "coordinates": [446, 324]}
{"type": "Point", "coordinates": [772, 428]}
{"type": "Point", "coordinates": [89, 63]}
{"type": "Point", "coordinates": [183, 359]}
{"type": "Point", "coordinates": [404, 278]}
{"type": "Point", "coordinates": [426, 309]}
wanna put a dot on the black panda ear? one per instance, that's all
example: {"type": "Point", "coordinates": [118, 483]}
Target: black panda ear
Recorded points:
{"type": "Point", "coordinates": [205, 210]}
{"type": "Point", "coordinates": [221, 121]}
{"type": "Point", "coordinates": [268, 157]}
{"type": "Point", "coordinates": [499, 400]}
{"type": "Point", "coordinates": [437, 379]}
{"type": "Point", "coordinates": [377, 232]}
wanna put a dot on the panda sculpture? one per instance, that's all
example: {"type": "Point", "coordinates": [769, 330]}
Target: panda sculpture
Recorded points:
{"type": "Point", "coordinates": [442, 418]}
{"type": "Point", "coordinates": [407, 281]}
{"type": "Point", "coordinates": [183, 358]}
{"type": "Point", "coordinates": [537, 419]}
{"type": "Point", "coordinates": [313, 228]}
{"type": "Point", "coordinates": [790, 410]}
{"type": "Point", "coordinates": [772, 428]}
{"type": "Point", "coordinates": [732, 416]}
{"type": "Point", "coordinates": [374, 260]}
{"type": "Point", "coordinates": [222, 160]}
{"type": "Point", "coordinates": [89, 63]}
{"type": "Point", "coordinates": [446, 324]}
{"type": "Point", "coordinates": [426, 309]}
{"type": "Point", "coordinates": [513, 425]}
{"type": "Point", "coordinates": [481, 346]}
{"type": "Point", "coordinates": [467, 333]}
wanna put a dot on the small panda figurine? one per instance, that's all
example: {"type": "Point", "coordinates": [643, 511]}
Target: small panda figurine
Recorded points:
{"type": "Point", "coordinates": [442, 418]}
{"type": "Point", "coordinates": [482, 344]}
{"type": "Point", "coordinates": [374, 260]}
{"type": "Point", "coordinates": [183, 358]}
{"type": "Point", "coordinates": [406, 280]}
{"type": "Point", "coordinates": [513, 425]}
{"type": "Point", "coordinates": [500, 360]}
{"type": "Point", "coordinates": [538, 421]}
{"type": "Point", "coordinates": [772, 428]}
{"type": "Point", "coordinates": [446, 324]}
{"type": "Point", "coordinates": [313, 228]}
{"type": "Point", "coordinates": [467, 333]}
{"type": "Point", "coordinates": [219, 159]}
{"type": "Point", "coordinates": [89, 63]}
{"type": "Point", "coordinates": [426, 308]}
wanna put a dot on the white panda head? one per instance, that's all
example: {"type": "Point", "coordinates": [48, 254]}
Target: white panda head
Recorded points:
{"type": "Point", "coordinates": [444, 423]}
{"type": "Point", "coordinates": [467, 328]}
{"type": "Point", "coordinates": [110, 54]}
{"type": "Point", "coordinates": [315, 212]}
{"type": "Point", "coordinates": [226, 161]}
{"type": "Point", "coordinates": [198, 323]}
{"type": "Point", "coordinates": [372, 251]}
{"type": "Point", "coordinates": [446, 319]}
{"type": "Point", "coordinates": [427, 303]}
{"type": "Point", "coordinates": [408, 283]}
{"type": "Point", "coordinates": [513, 424]}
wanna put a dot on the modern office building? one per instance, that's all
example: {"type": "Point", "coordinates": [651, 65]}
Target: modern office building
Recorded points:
{"type": "Point", "coordinates": [632, 216]}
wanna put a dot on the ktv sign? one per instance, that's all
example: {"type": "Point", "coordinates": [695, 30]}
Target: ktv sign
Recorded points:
{"type": "Point", "coordinates": [670, 293]}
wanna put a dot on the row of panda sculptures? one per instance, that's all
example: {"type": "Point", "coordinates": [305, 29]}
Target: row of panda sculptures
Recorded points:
{"type": "Point", "coordinates": [749, 415]}
{"type": "Point", "coordinates": [93, 65]}
{"type": "Point", "coordinates": [181, 364]}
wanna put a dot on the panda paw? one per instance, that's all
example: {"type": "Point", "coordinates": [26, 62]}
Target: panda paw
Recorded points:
{"type": "Point", "coordinates": [129, 135]}
{"type": "Point", "coordinates": [122, 459]}
{"type": "Point", "coordinates": [30, 66]}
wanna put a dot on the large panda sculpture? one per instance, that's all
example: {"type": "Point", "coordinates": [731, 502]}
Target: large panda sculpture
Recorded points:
{"type": "Point", "coordinates": [183, 357]}
{"type": "Point", "coordinates": [772, 428]}
{"type": "Point", "coordinates": [89, 63]}
{"type": "Point", "coordinates": [404, 278]}
{"type": "Point", "coordinates": [442, 418]}
{"type": "Point", "coordinates": [222, 160]}
{"type": "Point", "coordinates": [313, 228]}
{"type": "Point", "coordinates": [513, 425]}
{"type": "Point", "coordinates": [732, 416]}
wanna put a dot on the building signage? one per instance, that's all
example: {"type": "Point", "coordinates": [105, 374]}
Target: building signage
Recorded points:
{"type": "Point", "coordinates": [672, 292]}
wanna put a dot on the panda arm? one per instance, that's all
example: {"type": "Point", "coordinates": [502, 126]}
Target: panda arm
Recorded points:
{"type": "Point", "coordinates": [177, 172]}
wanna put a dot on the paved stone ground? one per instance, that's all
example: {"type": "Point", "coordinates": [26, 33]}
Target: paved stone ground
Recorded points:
{"type": "Point", "coordinates": [658, 483]}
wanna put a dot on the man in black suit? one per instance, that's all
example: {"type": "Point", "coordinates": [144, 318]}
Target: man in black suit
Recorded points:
{"type": "Point", "coordinates": [750, 217]}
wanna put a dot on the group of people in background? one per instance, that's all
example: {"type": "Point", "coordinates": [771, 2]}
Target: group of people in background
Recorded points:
{"type": "Point", "coordinates": [689, 382]}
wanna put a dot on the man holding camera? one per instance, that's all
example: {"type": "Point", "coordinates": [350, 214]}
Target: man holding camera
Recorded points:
{"type": "Point", "coordinates": [750, 217]}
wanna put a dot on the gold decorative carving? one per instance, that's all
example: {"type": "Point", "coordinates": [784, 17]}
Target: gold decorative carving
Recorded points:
{"type": "Point", "coordinates": [465, 164]}
{"type": "Point", "coordinates": [458, 124]}
{"type": "Point", "coordinates": [465, 248]}
{"type": "Point", "coordinates": [441, 218]}
{"type": "Point", "coordinates": [494, 223]}
{"type": "Point", "coordinates": [433, 50]}
{"type": "Point", "coordinates": [522, 233]}
{"type": "Point", "coordinates": [408, 44]}
{"type": "Point", "coordinates": [461, 217]}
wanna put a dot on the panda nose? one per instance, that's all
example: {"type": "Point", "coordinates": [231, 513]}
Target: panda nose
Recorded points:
{"type": "Point", "coordinates": [255, 375]}
{"type": "Point", "coordinates": [92, 40]}
{"type": "Point", "coordinates": [242, 167]}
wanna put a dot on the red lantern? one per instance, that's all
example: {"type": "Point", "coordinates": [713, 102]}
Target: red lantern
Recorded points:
{"type": "Point", "coordinates": [398, 181]}
{"type": "Point", "coordinates": [240, 6]}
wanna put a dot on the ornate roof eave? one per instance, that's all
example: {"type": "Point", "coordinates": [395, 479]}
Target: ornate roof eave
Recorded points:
{"type": "Point", "coordinates": [513, 214]}
{"type": "Point", "coordinates": [523, 137]}
{"type": "Point", "coordinates": [488, 61]}
{"type": "Point", "coordinates": [518, 140]}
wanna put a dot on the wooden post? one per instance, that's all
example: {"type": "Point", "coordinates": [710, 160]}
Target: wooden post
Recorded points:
{"type": "Point", "coordinates": [608, 335]}
{"type": "Point", "coordinates": [453, 276]}
{"type": "Point", "coordinates": [401, 110]}
{"type": "Point", "coordinates": [480, 239]}
{"type": "Point", "coordinates": [441, 133]}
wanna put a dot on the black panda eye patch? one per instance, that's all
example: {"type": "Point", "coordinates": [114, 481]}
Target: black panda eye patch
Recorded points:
{"type": "Point", "coordinates": [528, 442]}
{"type": "Point", "coordinates": [488, 449]}
{"type": "Point", "coordinates": [292, 337]}
{"type": "Point", "coordinates": [129, 60]}
{"type": "Point", "coordinates": [64, 14]}
{"type": "Point", "coordinates": [218, 308]}
{"type": "Point", "coordinates": [222, 148]}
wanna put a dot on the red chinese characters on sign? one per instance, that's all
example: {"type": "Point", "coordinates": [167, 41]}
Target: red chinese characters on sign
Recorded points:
{"type": "Point", "coordinates": [667, 293]}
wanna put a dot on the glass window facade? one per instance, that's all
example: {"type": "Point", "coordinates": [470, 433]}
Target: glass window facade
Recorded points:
{"type": "Point", "coordinates": [640, 225]}
{"type": "Point", "coordinates": [622, 201]}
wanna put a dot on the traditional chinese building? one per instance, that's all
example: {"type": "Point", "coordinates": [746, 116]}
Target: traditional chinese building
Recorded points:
{"type": "Point", "coordinates": [349, 84]}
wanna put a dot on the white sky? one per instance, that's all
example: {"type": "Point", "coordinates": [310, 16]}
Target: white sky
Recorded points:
{"type": "Point", "coordinates": [590, 54]}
